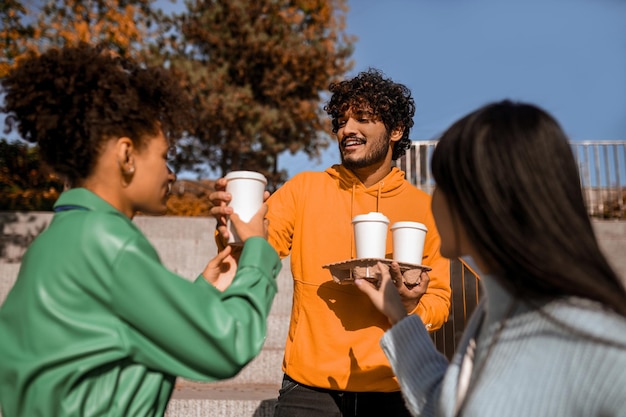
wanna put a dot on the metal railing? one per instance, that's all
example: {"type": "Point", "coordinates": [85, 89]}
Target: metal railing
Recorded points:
{"type": "Point", "coordinates": [601, 164]}
{"type": "Point", "coordinates": [416, 164]}
{"type": "Point", "coordinates": [465, 297]}
{"type": "Point", "coordinates": [602, 167]}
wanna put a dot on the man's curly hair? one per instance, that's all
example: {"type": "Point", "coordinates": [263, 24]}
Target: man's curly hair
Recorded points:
{"type": "Point", "coordinates": [388, 101]}
{"type": "Point", "coordinates": [71, 100]}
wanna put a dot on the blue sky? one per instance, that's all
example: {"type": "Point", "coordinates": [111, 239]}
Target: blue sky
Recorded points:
{"type": "Point", "coordinates": [567, 56]}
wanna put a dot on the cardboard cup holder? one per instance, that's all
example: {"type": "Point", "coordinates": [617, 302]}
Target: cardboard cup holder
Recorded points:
{"type": "Point", "coordinates": [344, 272]}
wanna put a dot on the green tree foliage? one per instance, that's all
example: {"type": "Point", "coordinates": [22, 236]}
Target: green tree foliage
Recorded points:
{"type": "Point", "coordinates": [257, 70]}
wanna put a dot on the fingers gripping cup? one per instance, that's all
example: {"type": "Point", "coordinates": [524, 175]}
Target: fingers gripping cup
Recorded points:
{"type": "Point", "coordinates": [408, 241]}
{"type": "Point", "coordinates": [370, 235]}
{"type": "Point", "coordinates": [246, 188]}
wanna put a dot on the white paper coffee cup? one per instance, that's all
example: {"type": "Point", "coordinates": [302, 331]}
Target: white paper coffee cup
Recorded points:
{"type": "Point", "coordinates": [246, 188]}
{"type": "Point", "coordinates": [408, 241]}
{"type": "Point", "coordinates": [370, 235]}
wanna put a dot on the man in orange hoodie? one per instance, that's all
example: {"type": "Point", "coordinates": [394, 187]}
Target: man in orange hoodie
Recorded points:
{"type": "Point", "coordinates": [333, 363]}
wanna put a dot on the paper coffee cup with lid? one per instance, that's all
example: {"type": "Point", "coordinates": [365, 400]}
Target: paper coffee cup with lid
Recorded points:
{"type": "Point", "coordinates": [370, 234]}
{"type": "Point", "coordinates": [408, 241]}
{"type": "Point", "coordinates": [247, 189]}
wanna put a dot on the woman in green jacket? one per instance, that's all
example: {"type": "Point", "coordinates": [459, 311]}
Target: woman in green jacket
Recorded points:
{"type": "Point", "coordinates": [95, 324]}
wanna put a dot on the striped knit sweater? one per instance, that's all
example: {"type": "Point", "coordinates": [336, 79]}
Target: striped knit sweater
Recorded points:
{"type": "Point", "coordinates": [536, 367]}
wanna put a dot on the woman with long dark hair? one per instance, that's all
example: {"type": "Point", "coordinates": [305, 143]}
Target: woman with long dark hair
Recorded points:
{"type": "Point", "coordinates": [549, 337]}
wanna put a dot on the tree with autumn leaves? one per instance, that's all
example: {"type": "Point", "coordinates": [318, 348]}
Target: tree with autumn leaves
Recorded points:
{"type": "Point", "coordinates": [34, 26]}
{"type": "Point", "coordinates": [257, 69]}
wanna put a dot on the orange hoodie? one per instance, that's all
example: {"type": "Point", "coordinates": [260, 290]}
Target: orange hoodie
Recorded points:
{"type": "Point", "coordinates": [334, 334]}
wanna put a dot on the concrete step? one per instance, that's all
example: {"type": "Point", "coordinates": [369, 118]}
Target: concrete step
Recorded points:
{"type": "Point", "coordinates": [223, 399]}
{"type": "Point", "coordinates": [220, 400]}
{"type": "Point", "coordinates": [265, 369]}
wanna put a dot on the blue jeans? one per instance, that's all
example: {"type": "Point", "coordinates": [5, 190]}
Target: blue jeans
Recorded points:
{"type": "Point", "coordinates": [298, 400]}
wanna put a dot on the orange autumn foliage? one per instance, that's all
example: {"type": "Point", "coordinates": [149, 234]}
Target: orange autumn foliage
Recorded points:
{"type": "Point", "coordinates": [190, 198]}
{"type": "Point", "coordinates": [122, 25]}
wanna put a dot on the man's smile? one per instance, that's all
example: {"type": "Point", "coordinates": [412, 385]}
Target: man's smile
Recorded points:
{"type": "Point", "coordinates": [352, 142]}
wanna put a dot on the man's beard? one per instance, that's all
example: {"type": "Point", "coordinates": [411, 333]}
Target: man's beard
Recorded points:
{"type": "Point", "coordinates": [376, 154]}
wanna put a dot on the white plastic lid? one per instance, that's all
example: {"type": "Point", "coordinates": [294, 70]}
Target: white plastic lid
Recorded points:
{"type": "Point", "coordinates": [250, 175]}
{"type": "Point", "coordinates": [372, 216]}
{"type": "Point", "coordinates": [415, 225]}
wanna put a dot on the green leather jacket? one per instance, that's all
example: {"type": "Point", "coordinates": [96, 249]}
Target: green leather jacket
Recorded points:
{"type": "Point", "coordinates": [96, 325]}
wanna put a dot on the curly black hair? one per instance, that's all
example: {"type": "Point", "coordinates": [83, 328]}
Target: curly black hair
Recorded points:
{"type": "Point", "coordinates": [388, 101]}
{"type": "Point", "coordinates": [70, 100]}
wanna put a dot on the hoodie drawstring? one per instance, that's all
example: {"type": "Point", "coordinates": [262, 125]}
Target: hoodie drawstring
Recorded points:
{"type": "Point", "coordinates": [352, 248]}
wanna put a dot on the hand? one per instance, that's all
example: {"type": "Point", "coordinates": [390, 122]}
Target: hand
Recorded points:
{"type": "Point", "coordinates": [220, 271]}
{"type": "Point", "coordinates": [410, 294]}
{"type": "Point", "coordinates": [220, 209]}
{"type": "Point", "coordinates": [385, 297]}
{"type": "Point", "coordinates": [257, 226]}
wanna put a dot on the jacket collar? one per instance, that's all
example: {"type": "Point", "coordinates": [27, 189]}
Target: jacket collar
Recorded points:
{"type": "Point", "coordinates": [82, 199]}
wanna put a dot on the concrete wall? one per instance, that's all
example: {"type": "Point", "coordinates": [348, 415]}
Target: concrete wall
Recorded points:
{"type": "Point", "coordinates": [185, 244]}
{"type": "Point", "coordinates": [612, 238]}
